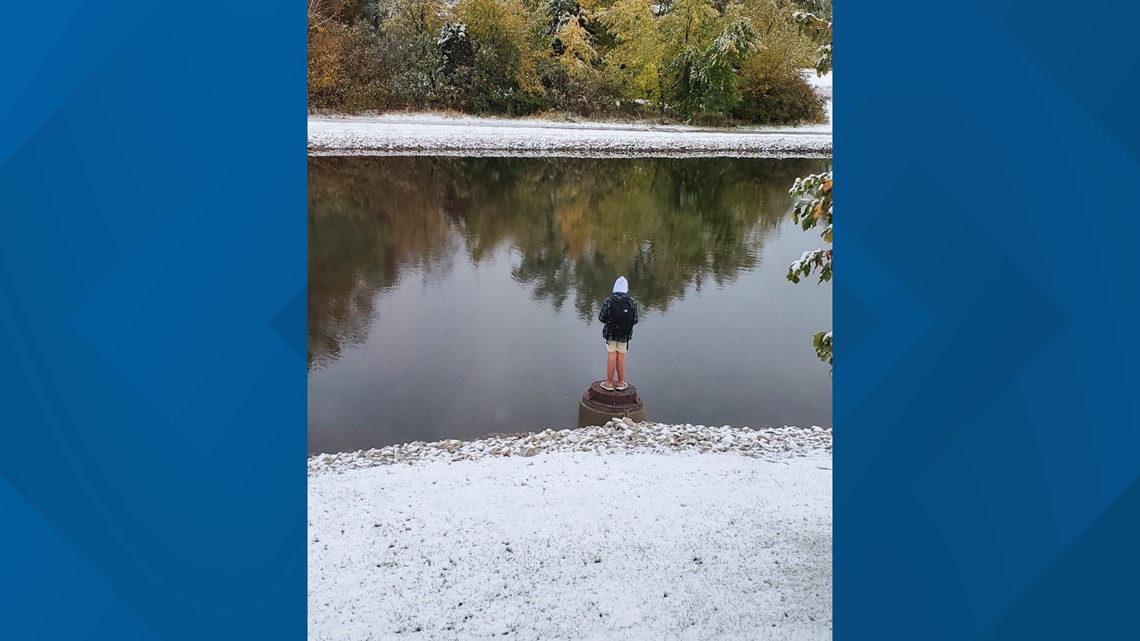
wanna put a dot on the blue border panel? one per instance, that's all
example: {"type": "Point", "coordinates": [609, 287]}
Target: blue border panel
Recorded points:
{"type": "Point", "coordinates": [988, 459]}
{"type": "Point", "coordinates": [152, 185]}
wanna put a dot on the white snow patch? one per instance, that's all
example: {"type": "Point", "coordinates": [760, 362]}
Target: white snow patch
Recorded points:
{"type": "Point", "coordinates": [419, 134]}
{"type": "Point", "coordinates": [655, 540]}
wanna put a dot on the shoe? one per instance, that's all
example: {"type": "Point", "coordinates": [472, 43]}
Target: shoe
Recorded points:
{"type": "Point", "coordinates": [621, 386]}
{"type": "Point", "coordinates": [606, 386]}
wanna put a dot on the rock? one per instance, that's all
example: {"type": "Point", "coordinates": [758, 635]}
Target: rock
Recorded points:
{"type": "Point", "coordinates": [530, 451]}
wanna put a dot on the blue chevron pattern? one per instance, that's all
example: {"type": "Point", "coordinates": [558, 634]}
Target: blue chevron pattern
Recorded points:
{"type": "Point", "coordinates": [152, 476]}
{"type": "Point", "coordinates": [987, 449]}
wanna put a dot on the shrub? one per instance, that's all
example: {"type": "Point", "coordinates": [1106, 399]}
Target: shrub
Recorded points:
{"type": "Point", "coordinates": [785, 99]}
{"type": "Point", "coordinates": [350, 68]}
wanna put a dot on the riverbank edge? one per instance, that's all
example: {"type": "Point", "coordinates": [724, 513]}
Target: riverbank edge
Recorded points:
{"type": "Point", "coordinates": [615, 437]}
{"type": "Point", "coordinates": [813, 153]}
{"type": "Point", "coordinates": [441, 134]}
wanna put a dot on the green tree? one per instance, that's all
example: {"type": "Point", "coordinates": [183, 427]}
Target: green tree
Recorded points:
{"type": "Point", "coordinates": [686, 28]}
{"type": "Point", "coordinates": [707, 79]}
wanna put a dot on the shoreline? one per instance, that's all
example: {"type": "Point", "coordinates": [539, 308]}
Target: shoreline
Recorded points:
{"type": "Point", "coordinates": [398, 134]}
{"type": "Point", "coordinates": [616, 436]}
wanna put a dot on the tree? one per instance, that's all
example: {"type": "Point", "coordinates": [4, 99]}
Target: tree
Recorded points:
{"type": "Point", "coordinates": [708, 78]}
{"type": "Point", "coordinates": [772, 86]}
{"type": "Point", "coordinates": [637, 59]}
{"type": "Point", "coordinates": [456, 57]}
{"type": "Point", "coordinates": [500, 31]}
{"type": "Point", "coordinates": [735, 58]}
{"type": "Point", "coordinates": [813, 193]}
{"type": "Point", "coordinates": [411, 18]}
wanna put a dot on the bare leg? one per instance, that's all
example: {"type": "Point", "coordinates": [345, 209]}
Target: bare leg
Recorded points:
{"type": "Point", "coordinates": [620, 368]}
{"type": "Point", "coordinates": [611, 366]}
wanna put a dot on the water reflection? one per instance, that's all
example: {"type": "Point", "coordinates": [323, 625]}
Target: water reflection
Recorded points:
{"type": "Point", "coordinates": [671, 225]}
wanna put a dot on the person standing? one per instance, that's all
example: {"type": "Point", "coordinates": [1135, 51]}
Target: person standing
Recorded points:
{"type": "Point", "coordinates": [618, 316]}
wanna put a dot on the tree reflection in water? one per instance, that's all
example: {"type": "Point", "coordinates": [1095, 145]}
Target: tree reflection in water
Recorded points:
{"type": "Point", "coordinates": [573, 224]}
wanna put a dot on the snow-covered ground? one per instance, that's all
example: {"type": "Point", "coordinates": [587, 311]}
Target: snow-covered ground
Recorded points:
{"type": "Point", "coordinates": [426, 134]}
{"type": "Point", "coordinates": [627, 531]}
{"type": "Point", "coordinates": [435, 134]}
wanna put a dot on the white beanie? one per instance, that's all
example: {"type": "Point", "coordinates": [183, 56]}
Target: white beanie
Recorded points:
{"type": "Point", "coordinates": [621, 286]}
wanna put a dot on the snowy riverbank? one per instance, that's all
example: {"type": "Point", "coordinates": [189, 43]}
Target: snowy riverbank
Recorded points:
{"type": "Point", "coordinates": [685, 532]}
{"type": "Point", "coordinates": [433, 134]}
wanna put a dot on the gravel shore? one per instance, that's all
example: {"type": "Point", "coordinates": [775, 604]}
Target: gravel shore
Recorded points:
{"type": "Point", "coordinates": [619, 435]}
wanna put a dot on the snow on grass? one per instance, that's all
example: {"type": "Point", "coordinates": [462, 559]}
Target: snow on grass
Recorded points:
{"type": "Point", "coordinates": [434, 134]}
{"type": "Point", "coordinates": [710, 537]}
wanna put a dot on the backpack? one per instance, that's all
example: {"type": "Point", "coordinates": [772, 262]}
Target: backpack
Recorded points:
{"type": "Point", "coordinates": [621, 315]}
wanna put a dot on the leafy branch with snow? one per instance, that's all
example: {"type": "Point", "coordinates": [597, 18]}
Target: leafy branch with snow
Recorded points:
{"type": "Point", "coordinates": [819, 30]}
{"type": "Point", "coordinates": [812, 209]}
{"type": "Point", "coordinates": [812, 193]}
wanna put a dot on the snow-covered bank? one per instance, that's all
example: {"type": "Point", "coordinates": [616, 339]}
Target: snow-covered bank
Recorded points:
{"type": "Point", "coordinates": [432, 134]}
{"type": "Point", "coordinates": [619, 435]}
{"type": "Point", "coordinates": [655, 540]}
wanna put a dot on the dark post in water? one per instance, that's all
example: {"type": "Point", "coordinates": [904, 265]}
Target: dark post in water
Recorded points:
{"type": "Point", "coordinates": [599, 405]}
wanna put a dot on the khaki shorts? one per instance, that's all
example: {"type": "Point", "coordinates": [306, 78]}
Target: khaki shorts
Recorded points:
{"type": "Point", "coordinates": [614, 346]}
